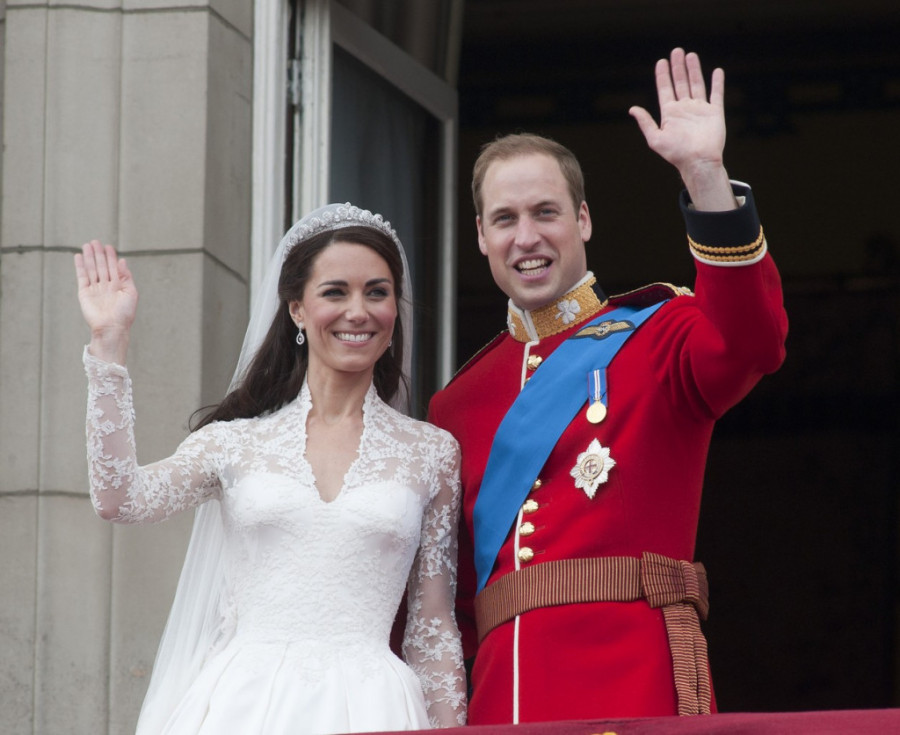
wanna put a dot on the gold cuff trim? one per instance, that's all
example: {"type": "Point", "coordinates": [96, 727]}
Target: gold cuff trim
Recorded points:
{"type": "Point", "coordinates": [735, 254]}
{"type": "Point", "coordinates": [577, 306]}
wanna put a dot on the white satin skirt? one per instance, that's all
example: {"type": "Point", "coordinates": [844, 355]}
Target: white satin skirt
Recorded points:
{"type": "Point", "coordinates": [255, 688]}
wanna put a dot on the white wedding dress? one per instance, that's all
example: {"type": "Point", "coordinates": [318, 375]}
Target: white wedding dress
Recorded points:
{"type": "Point", "coordinates": [311, 587]}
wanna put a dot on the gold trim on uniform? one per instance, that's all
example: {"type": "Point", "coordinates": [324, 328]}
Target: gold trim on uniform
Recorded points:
{"type": "Point", "coordinates": [576, 306]}
{"type": "Point", "coordinates": [649, 294]}
{"type": "Point", "coordinates": [735, 254]}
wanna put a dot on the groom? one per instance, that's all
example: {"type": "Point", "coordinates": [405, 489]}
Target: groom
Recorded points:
{"type": "Point", "coordinates": [585, 427]}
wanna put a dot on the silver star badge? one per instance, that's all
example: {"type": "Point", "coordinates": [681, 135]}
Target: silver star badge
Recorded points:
{"type": "Point", "coordinates": [592, 468]}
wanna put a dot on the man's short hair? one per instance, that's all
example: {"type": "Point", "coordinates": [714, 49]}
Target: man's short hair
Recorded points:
{"type": "Point", "coordinates": [523, 144]}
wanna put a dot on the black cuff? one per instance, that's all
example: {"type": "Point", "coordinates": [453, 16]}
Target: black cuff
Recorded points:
{"type": "Point", "coordinates": [732, 236]}
{"type": "Point", "coordinates": [731, 228]}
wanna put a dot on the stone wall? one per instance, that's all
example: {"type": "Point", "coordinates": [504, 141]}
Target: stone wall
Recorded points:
{"type": "Point", "coordinates": [128, 121]}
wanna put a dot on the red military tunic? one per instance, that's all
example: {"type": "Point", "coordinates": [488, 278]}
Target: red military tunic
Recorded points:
{"type": "Point", "coordinates": [687, 365]}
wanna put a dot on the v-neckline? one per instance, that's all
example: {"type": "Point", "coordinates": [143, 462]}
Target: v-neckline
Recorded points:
{"type": "Point", "coordinates": [307, 405]}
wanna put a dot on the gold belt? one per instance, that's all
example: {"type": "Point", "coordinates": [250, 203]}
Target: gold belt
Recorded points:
{"type": "Point", "coordinates": [679, 587]}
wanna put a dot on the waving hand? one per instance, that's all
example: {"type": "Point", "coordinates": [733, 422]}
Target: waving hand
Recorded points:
{"type": "Point", "coordinates": [691, 130]}
{"type": "Point", "coordinates": [108, 299]}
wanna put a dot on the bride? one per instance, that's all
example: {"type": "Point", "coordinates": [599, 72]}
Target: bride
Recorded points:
{"type": "Point", "coordinates": [318, 503]}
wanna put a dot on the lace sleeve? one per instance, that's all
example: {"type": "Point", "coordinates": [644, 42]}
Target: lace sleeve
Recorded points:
{"type": "Point", "coordinates": [121, 490]}
{"type": "Point", "coordinates": [431, 644]}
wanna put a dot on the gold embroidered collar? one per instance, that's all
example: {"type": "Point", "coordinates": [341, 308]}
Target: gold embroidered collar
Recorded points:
{"type": "Point", "coordinates": [572, 308]}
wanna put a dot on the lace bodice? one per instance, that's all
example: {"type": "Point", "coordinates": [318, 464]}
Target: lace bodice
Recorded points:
{"type": "Point", "coordinates": [327, 576]}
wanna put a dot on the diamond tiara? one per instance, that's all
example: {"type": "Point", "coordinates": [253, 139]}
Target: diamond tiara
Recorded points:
{"type": "Point", "coordinates": [336, 217]}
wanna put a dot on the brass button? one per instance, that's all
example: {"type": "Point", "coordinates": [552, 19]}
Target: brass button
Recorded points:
{"type": "Point", "coordinates": [526, 529]}
{"type": "Point", "coordinates": [530, 506]}
{"type": "Point", "coordinates": [526, 554]}
{"type": "Point", "coordinates": [534, 361]}
{"type": "Point", "coordinates": [537, 484]}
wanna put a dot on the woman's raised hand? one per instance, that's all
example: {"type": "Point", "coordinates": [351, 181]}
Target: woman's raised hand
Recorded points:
{"type": "Point", "coordinates": [108, 299]}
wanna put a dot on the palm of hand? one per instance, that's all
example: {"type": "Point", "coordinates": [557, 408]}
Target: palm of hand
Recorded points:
{"type": "Point", "coordinates": [108, 304]}
{"type": "Point", "coordinates": [690, 130]}
{"type": "Point", "coordinates": [106, 291]}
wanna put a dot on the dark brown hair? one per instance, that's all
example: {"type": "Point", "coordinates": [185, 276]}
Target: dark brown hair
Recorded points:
{"type": "Point", "coordinates": [523, 144]}
{"type": "Point", "coordinates": [276, 374]}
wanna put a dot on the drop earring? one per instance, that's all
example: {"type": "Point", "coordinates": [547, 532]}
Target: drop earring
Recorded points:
{"type": "Point", "coordinates": [301, 338]}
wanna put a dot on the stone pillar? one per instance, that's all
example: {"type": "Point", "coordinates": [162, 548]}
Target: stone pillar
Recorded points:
{"type": "Point", "coordinates": [128, 121]}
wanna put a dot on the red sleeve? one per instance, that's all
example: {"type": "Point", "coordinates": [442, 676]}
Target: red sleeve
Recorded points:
{"type": "Point", "coordinates": [733, 331]}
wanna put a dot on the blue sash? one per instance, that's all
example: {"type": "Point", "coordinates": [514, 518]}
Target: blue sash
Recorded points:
{"type": "Point", "coordinates": [535, 421]}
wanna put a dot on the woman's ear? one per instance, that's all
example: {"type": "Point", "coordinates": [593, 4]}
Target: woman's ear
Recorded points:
{"type": "Point", "coordinates": [296, 310]}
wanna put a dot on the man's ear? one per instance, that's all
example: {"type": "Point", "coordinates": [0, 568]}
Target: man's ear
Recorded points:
{"type": "Point", "coordinates": [481, 246]}
{"type": "Point", "coordinates": [584, 222]}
